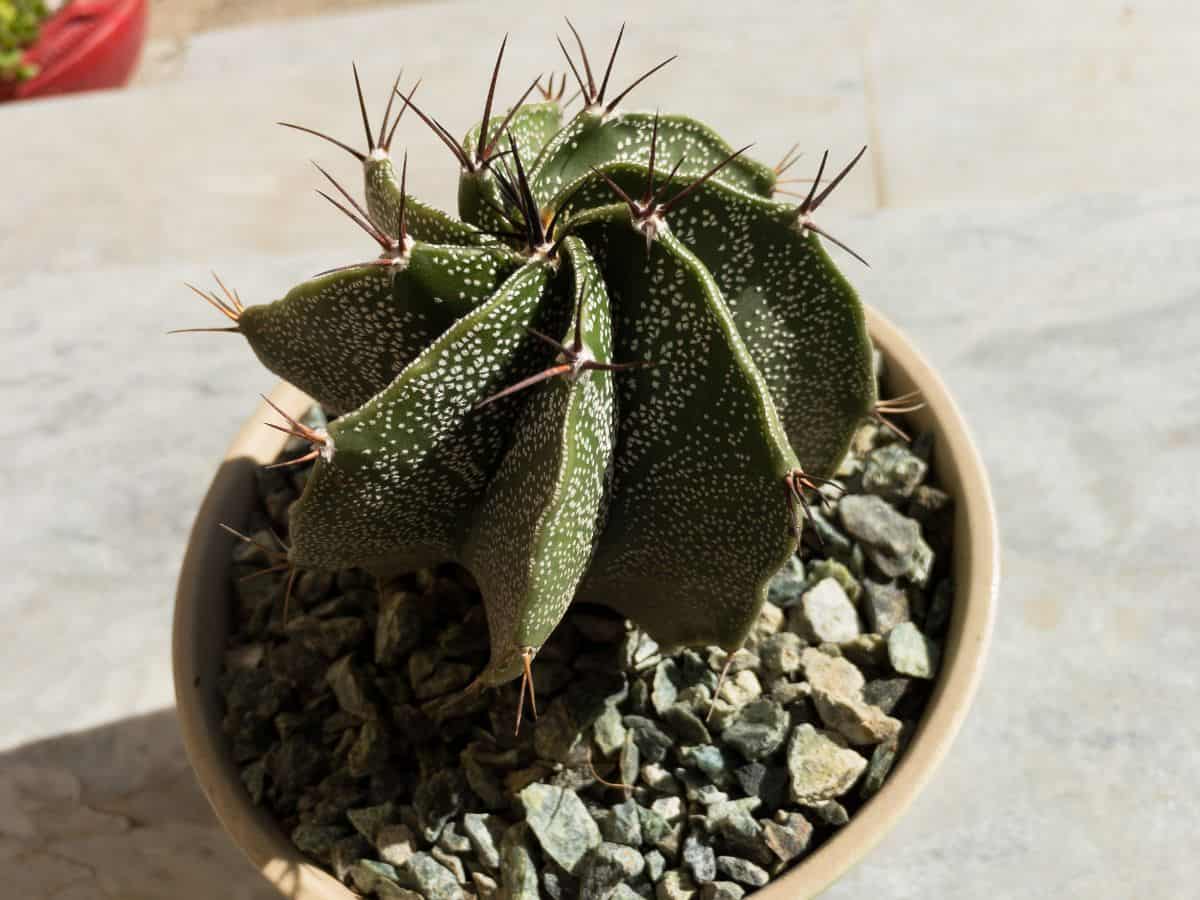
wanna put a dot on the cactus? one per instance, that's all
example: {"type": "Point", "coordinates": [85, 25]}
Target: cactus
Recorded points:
{"type": "Point", "coordinates": [622, 375]}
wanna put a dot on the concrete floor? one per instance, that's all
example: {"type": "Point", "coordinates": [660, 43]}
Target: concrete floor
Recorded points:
{"type": "Point", "coordinates": [173, 23]}
{"type": "Point", "coordinates": [180, 19]}
{"type": "Point", "coordinates": [962, 103]}
{"type": "Point", "coordinates": [1032, 213]}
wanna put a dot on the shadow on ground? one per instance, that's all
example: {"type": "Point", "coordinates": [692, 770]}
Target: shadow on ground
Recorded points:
{"type": "Point", "coordinates": [114, 812]}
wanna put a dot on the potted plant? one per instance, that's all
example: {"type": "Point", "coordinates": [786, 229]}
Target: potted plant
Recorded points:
{"type": "Point", "coordinates": [56, 48]}
{"type": "Point", "coordinates": [630, 397]}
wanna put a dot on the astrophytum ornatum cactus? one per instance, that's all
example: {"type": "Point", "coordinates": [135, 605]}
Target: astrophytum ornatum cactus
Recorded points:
{"type": "Point", "coordinates": [621, 376]}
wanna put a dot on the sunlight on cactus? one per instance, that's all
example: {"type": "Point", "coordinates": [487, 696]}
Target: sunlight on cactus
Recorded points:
{"type": "Point", "coordinates": [622, 375]}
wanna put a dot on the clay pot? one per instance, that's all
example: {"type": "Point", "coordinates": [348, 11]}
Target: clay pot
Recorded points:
{"type": "Point", "coordinates": [204, 601]}
{"type": "Point", "coordinates": [85, 46]}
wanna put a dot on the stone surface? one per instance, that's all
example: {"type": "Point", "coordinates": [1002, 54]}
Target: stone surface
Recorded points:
{"type": "Point", "coordinates": [880, 764]}
{"type": "Point", "coordinates": [606, 866]}
{"type": "Point", "coordinates": [742, 871]}
{"type": "Point", "coordinates": [623, 892]}
{"type": "Point", "coordinates": [837, 687]}
{"type": "Point", "coordinates": [699, 860]}
{"type": "Point", "coordinates": [368, 875]}
{"type": "Point", "coordinates": [629, 759]}
{"type": "Point", "coordinates": [820, 768]}
{"type": "Point", "coordinates": [893, 472]}
{"type": "Point", "coordinates": [821, 569]}
{"type": "Point", "coordinates": [769, 784]}
{"type": "Point", "coordinates": [770, 621]}
{"type": "Point", "coordinates": [866, 651]}
{"type": "Point", "coordinates": [788, 837]}
{"type": "Point", "coordinates": [911, 653]}
{"type": "Point", "coordinates": [825, 614]}
{"type": "Point", "coordinates": [722, 890]}
{"type": "Point", "coordinates": [519, 874]}
{"type": "Point", "coordinates": [438, 799]}
{"type": "Point", "coordinates": [396, 843]}
{"type": "Point", "coordinates": [686, 725]}
{"type": "Point", "coordinates": [350, 688]}
{"type": "Point", "coordinates": [675, 885]}
{"type": "Point", "coordinates": [891, 540]}
{"type": "Point", "coordinates": [608, 731]}
{"type": "Point", "coordinates": [623, 824]}
{"type": "Point", "coordinates": [780, 653]}
{"type": "Point", "coordinates": [740, 689]}
{"type": "Point", "coordinates": [369, 820]}
{"type": "Point", "coordinates": [757, 730]}
{"type": "Point", "coordinates": [485, 832]}
{"type": "Point", "coordinates": [398, 628]}
{"type": "Point", "coordinates": [885, 605]}
{"type": "Point", "coordinates": [664, 690]}
{"type": "Point", "coordinates": [652, 742]}
{"type": "Point", "coordinates": [555, 732]}
{"type": "Point", "coordinates": [369, 752]}
{"type": "Point", "coordinates": [561, 824]}
{"type": "Point", "coordinates": [734, 822]}
{"type": "Point", "coordinates": [429, 877]}
{"type": "Point", "coordinates": [787, 585]}
{"type": "Point", "coordinates": [485, 885]}
{"type": "Point", "coordinates": [885, 692]}
{"type": "Point", "coordinates": [655, 865]}
{"type": "Point", "coordinates": [830, 812]}
{"type": "Point", "coordinates": [1025, 308]}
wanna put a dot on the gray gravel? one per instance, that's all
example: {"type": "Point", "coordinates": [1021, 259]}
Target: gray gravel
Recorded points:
{"type": "Point", "coordinates": [639, 779]}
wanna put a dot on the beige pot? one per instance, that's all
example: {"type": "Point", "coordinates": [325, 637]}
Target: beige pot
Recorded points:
{"type": "Point", "coordinates": [204, 601]}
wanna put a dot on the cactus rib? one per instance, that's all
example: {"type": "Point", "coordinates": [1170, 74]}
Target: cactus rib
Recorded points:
{"type": "Point", "coordinates": [674, 484]}
{"type": "Point", "coordinates": [536, 526]}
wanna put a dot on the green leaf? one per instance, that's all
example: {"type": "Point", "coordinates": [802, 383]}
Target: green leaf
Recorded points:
{"type": "Point", "coordinates": [343, 337]}
{"type": "Point", "coordinates": [410, 463]}
{"type": "Point", "coordinates": [698, 520]}
{"type": "Point", "coordinates": [590, 140]}
{"type": "Point", "coordinates": [801, 320]}
{"type": "Point", "coordinates": [537, 526]}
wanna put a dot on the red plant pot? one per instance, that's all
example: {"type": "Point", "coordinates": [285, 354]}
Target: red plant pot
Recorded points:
{"type": "Point", "coordinates": [86, 45]}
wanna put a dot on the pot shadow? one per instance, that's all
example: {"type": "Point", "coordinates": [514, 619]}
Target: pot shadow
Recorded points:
{"type": "Point", "coordinates": [115, 811]}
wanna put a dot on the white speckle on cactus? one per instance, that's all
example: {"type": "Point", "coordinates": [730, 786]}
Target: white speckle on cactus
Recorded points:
{"type": "Point", "coordinates": [660, 491]}
{"type": "Point", "coordinates": [345, 336]}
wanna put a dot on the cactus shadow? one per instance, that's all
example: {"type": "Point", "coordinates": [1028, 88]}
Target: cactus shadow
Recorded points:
{"type": "Point", "coordinates": [116, 811]}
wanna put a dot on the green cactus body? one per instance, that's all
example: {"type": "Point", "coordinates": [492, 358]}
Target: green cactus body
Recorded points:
{"type": "Point", "coordinates": [618, 378]}
{"type": "Point", "coordinates": [594, 139]}
{"type": "Point", "coordinates": [425, 223]}
{"type": "Point", "coordinates": [381, 315]}
{"type": "Point", "coordinates": [697, 524]}
{"type": "Point", "coordinates": [532, 127]}
{"type": "Point", "coordinates": [408, 465]}
{"type": "Point", "coordinates": [533, 535]}
{"type": "Point", "coordinates": [797, 314]}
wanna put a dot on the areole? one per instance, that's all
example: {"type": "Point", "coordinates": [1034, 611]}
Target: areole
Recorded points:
{"type": "Point", "coordinates": [202, 623]}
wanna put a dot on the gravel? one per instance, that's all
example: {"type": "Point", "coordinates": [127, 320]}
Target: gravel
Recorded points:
{"type": "Point", "coordinates": [351, 725]}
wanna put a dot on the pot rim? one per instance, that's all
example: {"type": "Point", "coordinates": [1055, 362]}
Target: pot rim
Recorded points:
{"type": "Point", "coordinates": [957, 465]}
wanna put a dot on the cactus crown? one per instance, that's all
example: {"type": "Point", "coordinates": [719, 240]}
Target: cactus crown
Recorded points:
{"type": "Point", "coordinates": [620, 375]}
